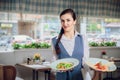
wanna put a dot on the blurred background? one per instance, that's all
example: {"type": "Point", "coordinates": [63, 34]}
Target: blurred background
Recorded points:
{"type": "Point", "coordinates": [25, 23]}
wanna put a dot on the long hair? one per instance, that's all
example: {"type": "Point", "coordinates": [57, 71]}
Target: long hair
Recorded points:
{"type": "Point", "coordinates": [57, 48]}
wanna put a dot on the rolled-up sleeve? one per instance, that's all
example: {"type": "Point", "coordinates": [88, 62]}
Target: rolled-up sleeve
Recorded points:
{"type": "Point", "coordinates": [87, 74]}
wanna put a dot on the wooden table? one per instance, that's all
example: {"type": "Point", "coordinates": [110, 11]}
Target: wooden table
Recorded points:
{"type": "Point", "coordinates": [36, 68]}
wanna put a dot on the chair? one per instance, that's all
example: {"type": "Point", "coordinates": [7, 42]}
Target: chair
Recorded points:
{"type": "Point", "coordinates": [8, 72]}
{"type": "Point", "coordinates": [1, 72]}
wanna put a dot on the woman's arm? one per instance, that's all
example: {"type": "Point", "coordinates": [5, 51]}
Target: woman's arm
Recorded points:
{"type": "Point", "coordinates": [90, 74]}
{"type": "Point", "coordinates": [87, 73]}
{"type": "Point", "coordinates": [86, 48]}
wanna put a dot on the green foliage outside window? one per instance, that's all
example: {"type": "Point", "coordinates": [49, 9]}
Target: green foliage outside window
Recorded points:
{"type": "Point", "coordinates": [93, 27]}
{"type": "Point", "coordinates": [101, 44]}
{"type": "Point", "coordinates": [32, 45]}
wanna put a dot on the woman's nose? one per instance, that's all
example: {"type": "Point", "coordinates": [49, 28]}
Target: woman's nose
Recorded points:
{"type": "Point", "coordinates": [65, 23]}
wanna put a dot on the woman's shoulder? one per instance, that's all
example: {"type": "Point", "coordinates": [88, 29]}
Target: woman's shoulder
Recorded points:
{"type": "Point", "coordinates": [79, 34]}
{"type": "Point", "coordinates": [55, 37]}
{"type": "Point", "coordinates": [82, 35]}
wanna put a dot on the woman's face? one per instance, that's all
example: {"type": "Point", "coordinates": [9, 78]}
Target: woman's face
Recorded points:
{"type": "Point", "coordinates": [67, 22]}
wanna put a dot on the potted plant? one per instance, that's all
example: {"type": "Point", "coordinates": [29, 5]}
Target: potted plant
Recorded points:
{"type": "Point", "coordinates": [104, 54]}
{"type": "Point", "coordinates": [36, 58]}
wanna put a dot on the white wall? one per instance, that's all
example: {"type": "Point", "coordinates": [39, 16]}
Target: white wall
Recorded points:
{"type": "Point", "coordinates": [111, 51]}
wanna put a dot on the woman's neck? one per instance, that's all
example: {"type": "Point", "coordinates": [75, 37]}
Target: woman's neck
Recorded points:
{"type": "Point", "coordinates": [69, 34]}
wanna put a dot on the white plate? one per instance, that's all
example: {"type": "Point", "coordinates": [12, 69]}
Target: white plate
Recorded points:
{"type": "Point", "coordinates": [36, 66]}
{"type": "Point", "coordinates": [71, 60]}
{"type": "Point", "coordinates": [92, 61]}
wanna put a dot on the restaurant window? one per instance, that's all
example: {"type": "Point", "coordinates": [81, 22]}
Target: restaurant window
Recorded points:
{"type": "Point", "coordinates": [35, 26]}
{"type": "Point", "coordinates": [101, 29]}
{"type": "Point", "coordinates": [44, 27]}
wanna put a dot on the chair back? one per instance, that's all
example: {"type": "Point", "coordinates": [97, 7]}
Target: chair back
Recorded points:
{"type": "Point", "coordinates": [1, 72]}
{"type": "Point", "coordinates": [9, 72]}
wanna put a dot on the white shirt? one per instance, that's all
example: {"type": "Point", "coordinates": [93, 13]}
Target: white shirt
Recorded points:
{"type": "Point", "coordinates": [68, 43]}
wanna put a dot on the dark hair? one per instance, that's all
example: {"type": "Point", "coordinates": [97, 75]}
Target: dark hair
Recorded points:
{"type": "Point", "coordinates": [69, 11]}
{"type": "Point", "coordinates": [57, 48]}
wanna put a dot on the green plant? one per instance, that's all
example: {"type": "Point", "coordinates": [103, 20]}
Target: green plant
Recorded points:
{"type": "Point", "coordinates": [36, 56]}
{"type": "Point", "coordinates": [32, 45]}
{"type": "Point", "coordinates": [94, 44]}
{"type": "Point", "coordinates": [16, 46]}
{"type": "Point", "coordinates": [44, 45]}
{"type": "Point", "coordinates": [100, 44]}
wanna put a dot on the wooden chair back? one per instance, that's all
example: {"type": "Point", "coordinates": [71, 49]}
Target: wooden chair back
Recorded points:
{"type": "Point", "coordinates": [9, 72]}
{"type": "Point", "coordinates": [1, 72]}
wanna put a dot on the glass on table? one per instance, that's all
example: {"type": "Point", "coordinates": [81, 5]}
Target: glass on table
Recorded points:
{"type": "Point", "coordinates": [53, 59]}
{"type": "Point", "coordinates": [111, 59]}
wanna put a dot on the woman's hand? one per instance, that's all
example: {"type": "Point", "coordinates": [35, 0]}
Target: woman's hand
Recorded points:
{"type": "Point", "coordinates": [97, 75]}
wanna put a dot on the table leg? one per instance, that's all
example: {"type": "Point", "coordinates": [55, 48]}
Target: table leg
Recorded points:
{"type": "Point", "coordinates": [107, 75]}
{"type": "Point", "coordinates": [111, 76]}
{"type": "Point", "coordinates": [33, 73]}
{"type": "Point", "coordinates": [36, 75]}
{"type": "Point", "coordinates": [45, 75]}
{"type": "Point", "coordinates": [48, 75]}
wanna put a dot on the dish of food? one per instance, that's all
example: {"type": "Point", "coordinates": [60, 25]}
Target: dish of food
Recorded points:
{"type": "Point", "coordinates": [64, 64]}
{"type": "Point", "coordinates": [101, 64]}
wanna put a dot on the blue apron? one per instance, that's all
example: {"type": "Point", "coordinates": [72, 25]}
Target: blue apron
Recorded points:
{"type": "Point", "coordinates": [75, 74]}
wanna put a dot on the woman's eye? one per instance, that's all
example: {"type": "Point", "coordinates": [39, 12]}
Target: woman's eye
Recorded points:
{"type": "Point", "coordinates": [62, 21]}
{"type": "Point", "coordinates": [68, 20]}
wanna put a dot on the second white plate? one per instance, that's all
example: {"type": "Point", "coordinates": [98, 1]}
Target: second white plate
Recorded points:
{"type": "Point", "coordinates": [92, 61]}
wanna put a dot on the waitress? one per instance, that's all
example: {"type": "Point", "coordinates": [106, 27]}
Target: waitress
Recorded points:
{"type": "Point", "coordinates": [71, 44]}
